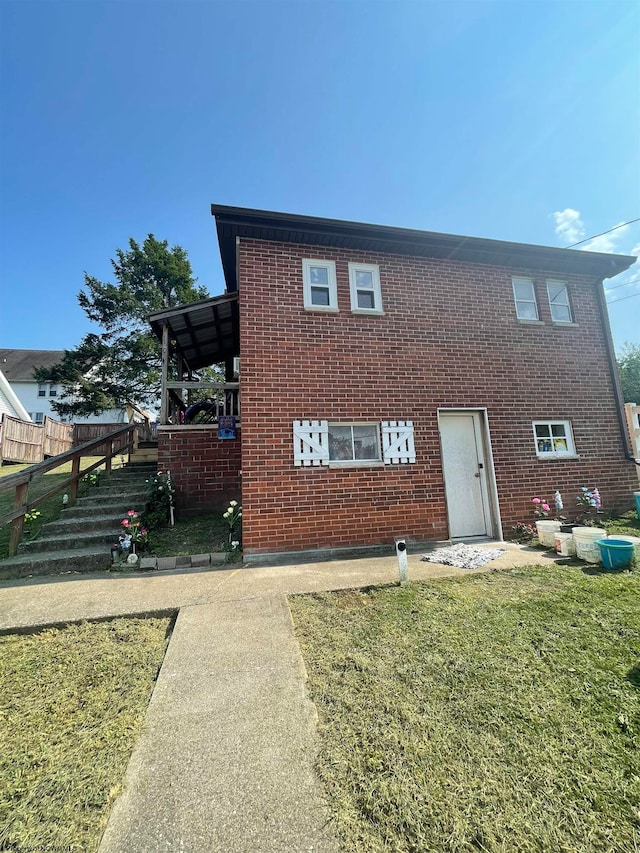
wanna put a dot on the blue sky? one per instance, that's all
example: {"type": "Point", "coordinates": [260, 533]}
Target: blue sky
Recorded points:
{"type": "Point", "coordinates": [509, 120]}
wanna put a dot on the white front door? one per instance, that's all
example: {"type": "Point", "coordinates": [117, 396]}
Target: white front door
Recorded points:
{"type": "Point", "coordinates": [465, 474]}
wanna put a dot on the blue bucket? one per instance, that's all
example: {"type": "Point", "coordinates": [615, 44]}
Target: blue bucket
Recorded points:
{"type": "Point", "coordinates": [636, 496]}
{"type": "Point", "coordinates": [616, 553]}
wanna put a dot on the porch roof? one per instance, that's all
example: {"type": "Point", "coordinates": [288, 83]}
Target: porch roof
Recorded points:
{"type": "Point", "coordinates": [234, 222]}
{"type": "Point", "coordinates": [205, 332]}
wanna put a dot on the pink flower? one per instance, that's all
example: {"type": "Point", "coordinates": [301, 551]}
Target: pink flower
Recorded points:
{"type": "Point", "coordinates": [546, 507]}
{"type": "Point", "coordinates": [536, 501]}
{"type": "Point", "coordinates": [143, 532]}
{"type": "Point", "coordinates": [125, 522]}
{"type": "Point", "coordinates": [132, 513]}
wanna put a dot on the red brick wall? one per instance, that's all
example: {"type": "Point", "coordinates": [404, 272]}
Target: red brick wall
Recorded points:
{"type": "Point", "coordinates": [449, 338]}
{"type": "Point", "coordinates": [204, 468]}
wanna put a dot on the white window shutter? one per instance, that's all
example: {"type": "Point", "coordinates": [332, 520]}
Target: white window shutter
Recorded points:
{"type": "Point", "coordinates": [310, 443]}
{"type": "Point", "coordinates": [397, 442]}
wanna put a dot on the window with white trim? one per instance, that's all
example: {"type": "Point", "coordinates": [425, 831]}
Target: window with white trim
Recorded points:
{"type": "Point", "coordinates": [42, 390]}
{"type": "Point", "coordinates": [553, 438]}
{"type": "Point", "coordinates": [53, 391]}
{"type": "Point", "coordinates": [559, 301]}
{"type": "Point", "coordinates": [354, 442]}
{"type": "Point", "coordinates": [364, 283]}
{"type": "Point", "coordinates": [524, 294]}
{"type": "Point", "coordinates": [319, 284]}
{"type": "Point", "coordinates": [37, 417]}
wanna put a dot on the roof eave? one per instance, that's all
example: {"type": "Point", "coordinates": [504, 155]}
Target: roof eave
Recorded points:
{"type": "Point", "coordinates": [232, 222]}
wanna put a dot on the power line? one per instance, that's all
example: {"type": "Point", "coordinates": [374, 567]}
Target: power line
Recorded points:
{"type": "Point", "coordinates": [631, 281]}
{"type": "Point", "coordinates": [622, 298]}
{"type": "Point", "coordinates": [615, 228]}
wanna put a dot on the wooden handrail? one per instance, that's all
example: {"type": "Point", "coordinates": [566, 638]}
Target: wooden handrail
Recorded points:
{"type": "Point", "coordinates": [20, 481]}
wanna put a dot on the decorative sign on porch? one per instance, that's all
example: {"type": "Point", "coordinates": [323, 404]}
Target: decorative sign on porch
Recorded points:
{"type": "Point", "coordinates": [226, 426]}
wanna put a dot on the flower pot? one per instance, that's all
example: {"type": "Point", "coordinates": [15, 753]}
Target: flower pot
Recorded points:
{"type": "Point", "coordinates": [547, 530]}
{"type": "Point", "coordinates": [616, 554]}
{"type": "Point", "coordinates": [636, 497]}
{"type": "Point", "coordinates": [586, 539]}
{"type": "Point", "coordinates": [567, 528]}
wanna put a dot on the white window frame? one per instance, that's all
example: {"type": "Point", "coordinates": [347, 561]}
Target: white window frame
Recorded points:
{"type": "Point", "coordinates": [374, 269]}
{"type": "Point", "coordinates": [566, 304]}
{"type": "Point", "coordinates": [375, 425]}
{"type": "Point", "coordinates": [554, 453]}
{"type": "Point", "coordinates": [37, 417]}
{"type": "Point", "coordinates": [330, 266]}
{"type": "Point", "coordinates": [517, 279]}
{"type": "Point", "coordinates": [42, 390]}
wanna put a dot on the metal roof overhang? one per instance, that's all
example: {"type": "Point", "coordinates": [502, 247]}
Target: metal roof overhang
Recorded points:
{"type": "Point", "coordinates": [234, 222]}
{"type": "Point", "coordinates": [205, 332]}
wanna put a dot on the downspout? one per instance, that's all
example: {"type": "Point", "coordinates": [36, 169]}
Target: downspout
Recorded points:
{"type": "Point", "coordinates": [613, 371]}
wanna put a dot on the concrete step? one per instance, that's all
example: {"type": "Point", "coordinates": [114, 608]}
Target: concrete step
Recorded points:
{"type": "Point", "coordinates": [90, 559]}
{"type": "Point", "coordinates": [122, 497]}
{"type": "Point", "coordinates": [116, 509]}
{"type": "Point", "coordinates": [145, 455]}
{"type": "Point", "coordinates": [71, 541]}
{"type": "Point", "coordinates": [82, 524]}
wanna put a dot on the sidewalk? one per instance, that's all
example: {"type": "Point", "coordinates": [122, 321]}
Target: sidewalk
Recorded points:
{"type": "Point", "coordinates": [225, 762]}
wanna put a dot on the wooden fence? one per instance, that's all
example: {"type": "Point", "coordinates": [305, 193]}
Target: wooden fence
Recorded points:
{"type": "Point", "coordinates": [82, 433]}
{"type": "Point", "coordinates": [24, 441]}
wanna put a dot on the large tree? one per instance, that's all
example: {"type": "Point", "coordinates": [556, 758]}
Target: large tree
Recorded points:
{"type": "Point", "coordinates": [629, 368]}
{"type": "Point", "coordinates": [122, 364]}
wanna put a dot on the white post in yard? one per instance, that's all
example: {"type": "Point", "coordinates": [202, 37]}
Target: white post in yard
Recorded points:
{"type": "Point", "coordinates": [403, 568]}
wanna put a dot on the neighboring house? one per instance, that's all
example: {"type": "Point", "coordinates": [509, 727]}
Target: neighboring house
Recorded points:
{"type": "Point", "coordinates": [18, 366]}
{"type": "Point", "coordinates": [395, 383]}
{"type": "Point", "coordinates": [9, 402]}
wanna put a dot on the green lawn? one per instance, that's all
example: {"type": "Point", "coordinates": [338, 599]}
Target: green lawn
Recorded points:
{"type": "Point", "coordinates": [72, 702]}
{"type": "Point", "coordinates": [198, 535]}
{"type": "Point", "coordinates": [494, 712]}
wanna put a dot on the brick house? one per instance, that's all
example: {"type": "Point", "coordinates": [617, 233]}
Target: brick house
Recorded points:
{"type": "Point", "coordinates": [394, 383]}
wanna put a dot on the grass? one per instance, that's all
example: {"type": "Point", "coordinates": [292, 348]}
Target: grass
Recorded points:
{"type": "Point", "coordinates": [495, 712]}
{"type": "Point", "coordinates": [49, 510]}
{"type": "Point", "coordinates": [627, 524]}
{"type": "Point", "coordinates": [198, 535]}
{"type": "Point", "coordinates": [72, 706]}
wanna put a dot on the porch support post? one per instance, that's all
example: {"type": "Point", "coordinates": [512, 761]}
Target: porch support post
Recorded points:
{"type": "Point", "coordinates": [164, 394]}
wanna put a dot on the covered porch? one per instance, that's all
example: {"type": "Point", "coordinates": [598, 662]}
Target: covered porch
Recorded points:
{"type": "Point", "coordinates": [200, 420]}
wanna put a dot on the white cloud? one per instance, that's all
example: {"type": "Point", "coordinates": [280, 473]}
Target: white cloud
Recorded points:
{"type": "Point", "coordinates": [607, 242]}
{"type": "Point", "coordinates": [569, 226]}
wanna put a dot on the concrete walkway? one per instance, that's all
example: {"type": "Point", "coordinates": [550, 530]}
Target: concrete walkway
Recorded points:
{"type": "Point", "coordinates": [225, 762]}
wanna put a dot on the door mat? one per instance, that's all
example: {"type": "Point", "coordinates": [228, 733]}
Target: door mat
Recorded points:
{"type": "Point", "coordinates": [463, 556]}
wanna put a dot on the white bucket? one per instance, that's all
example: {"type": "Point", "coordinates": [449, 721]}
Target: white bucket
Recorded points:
{"type": "Point", "coordinates": [635, 541]}
{"type": "Point", "coordinates": [565, 544]}
{"type": "Point", "coordinates": [547, 532]}
{"type": "Point", "coordinates": [585, 539]}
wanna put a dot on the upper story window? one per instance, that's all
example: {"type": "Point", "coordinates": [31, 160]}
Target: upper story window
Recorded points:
{"type": "Point", "coordinates": [553, 438]}
{"type": "Point", "coordinates": [559, 301]}
{"type": "Point", "coordinates": [42, 390]}
{"type": "Point", "coordinates": [53, 391]}
{"type": "Point", "coordinates": [320, 291]}
{"type": "Point", "coordinates": [364, 282]}
{"type": "Point", "coordinates": [525, 297]}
